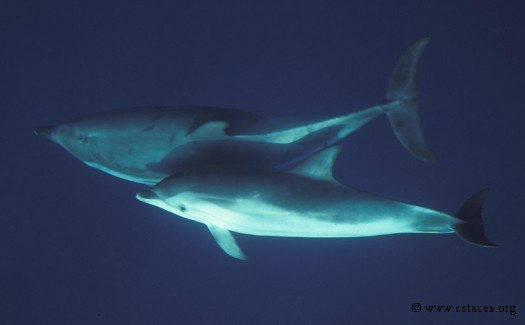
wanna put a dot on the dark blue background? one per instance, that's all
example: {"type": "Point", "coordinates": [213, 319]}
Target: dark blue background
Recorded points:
{"type": "Point", "coordinates": [78, 248]}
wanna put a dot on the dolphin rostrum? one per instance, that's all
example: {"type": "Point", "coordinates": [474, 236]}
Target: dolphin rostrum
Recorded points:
{"type": "Point", "coordinates": [304, 202]}
{"type": "Point", "coordinates": [147, 144]}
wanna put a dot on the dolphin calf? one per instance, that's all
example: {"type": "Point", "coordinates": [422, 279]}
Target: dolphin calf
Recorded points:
{"type": "Point", "coordinates": [303, 202]}
{"type": "Point", "coordinates": [145, 145]}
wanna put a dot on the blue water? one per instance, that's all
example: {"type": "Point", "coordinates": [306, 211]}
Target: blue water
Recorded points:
{"type": "Point", "coordinates": [78, 248]}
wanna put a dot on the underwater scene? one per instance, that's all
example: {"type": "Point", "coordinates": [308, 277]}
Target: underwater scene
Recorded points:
{"type": "Point", "coordinates": [248, 162]}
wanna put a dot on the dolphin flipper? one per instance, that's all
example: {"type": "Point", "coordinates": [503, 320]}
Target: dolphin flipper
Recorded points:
{"type": "Point", "coordinates": [226, 242]}
{"type": "Point", "coordinates": [402, 109]}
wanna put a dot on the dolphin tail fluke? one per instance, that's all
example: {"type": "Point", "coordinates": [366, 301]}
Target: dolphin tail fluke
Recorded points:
{"type": "Point", "coordinates": [471, 229]}
{"type": "Point", "coordinates": [402, 109]}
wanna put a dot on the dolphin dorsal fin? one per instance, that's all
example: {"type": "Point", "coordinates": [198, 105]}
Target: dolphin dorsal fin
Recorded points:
{"type": "Point", "coordinates": [319, 166]}
{"type": "Point", "coordinates": [210, 130]}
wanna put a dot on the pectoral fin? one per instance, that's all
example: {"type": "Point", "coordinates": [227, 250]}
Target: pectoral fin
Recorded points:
{"type": "Point", "coordinates": [226, 241]}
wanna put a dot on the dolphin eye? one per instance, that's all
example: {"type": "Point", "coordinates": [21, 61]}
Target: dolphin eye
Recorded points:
{"type": "Point", "coordinates": [182, 208]}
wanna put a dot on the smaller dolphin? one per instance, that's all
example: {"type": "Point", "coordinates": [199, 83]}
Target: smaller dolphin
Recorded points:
{"type": "Point", "coordinates": [305, 202]}
{"type": "Point", "coordinates": [145, 145]}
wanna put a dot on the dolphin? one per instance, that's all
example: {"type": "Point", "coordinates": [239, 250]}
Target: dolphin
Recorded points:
{"type": "Point", "coordinates": [145, 145]}
{"type": "Point", "coordinates": [303, 202]}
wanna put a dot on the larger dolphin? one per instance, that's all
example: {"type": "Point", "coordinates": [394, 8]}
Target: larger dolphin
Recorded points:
{"type": "Point", "coordinates": [304, 202]}
{"type": "Point", "coordinates": [147, 144]}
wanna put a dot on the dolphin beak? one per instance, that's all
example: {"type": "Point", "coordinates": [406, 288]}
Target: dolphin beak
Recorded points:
{"type": "Point", "coordinates": [147, 196]}
{"type": "Point", "coordinates": [45, 131]}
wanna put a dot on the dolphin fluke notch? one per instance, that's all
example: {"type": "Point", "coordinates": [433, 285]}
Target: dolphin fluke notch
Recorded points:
{"type": "Point", "coordinates": [403, 109]}
{"type": "Point", "coordinates": [471, 229]}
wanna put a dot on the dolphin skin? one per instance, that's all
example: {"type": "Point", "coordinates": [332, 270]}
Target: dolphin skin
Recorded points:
{"type": "Point", "coordinates": [304, 202]}
{"type": "Point", "coordinates": [145, 145]}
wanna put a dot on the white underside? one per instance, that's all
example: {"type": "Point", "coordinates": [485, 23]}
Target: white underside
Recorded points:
{"type": "Point", "coordinates": [262, 219]}
{"type": "Point", "coordinates": [351, 122]}
{"type": "Point", "coordinates": [128, 177]}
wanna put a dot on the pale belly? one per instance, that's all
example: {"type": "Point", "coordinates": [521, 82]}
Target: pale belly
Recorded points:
{"type": "Point", "coordinates": [260, 219]}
